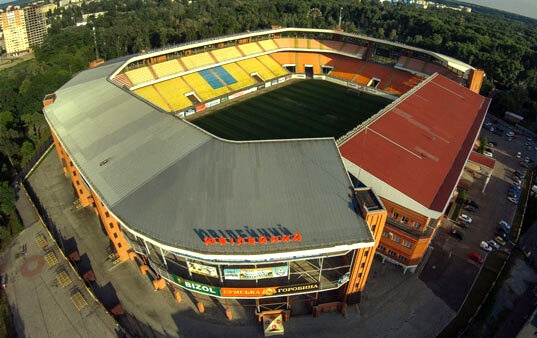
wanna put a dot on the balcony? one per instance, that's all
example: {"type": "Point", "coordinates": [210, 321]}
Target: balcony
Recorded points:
{"type": "Point", "coordinates": [415, 233]}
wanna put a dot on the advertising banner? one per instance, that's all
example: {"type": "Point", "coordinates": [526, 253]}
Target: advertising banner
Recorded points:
{"type": "Point", "coordinates": [274, 82]}
{"type": "Point", "coordinates": [212, 103]}
{"type": "Point", "coordinates": [198, 287]}
{"type": "Point", "coordinates": [260, 273]}
{"type": "Point", "coordinates": [261, 86]}
{"type": "Point", "coordinates": [288, 77]}
{"type": "Point", "coordinates": [281, 79]}
{"type": "Point", "coordinates": [267, 291]}
{"type": "Point", "coordinates": [268, 84]}
{"type": "Point", "coordinates": [352, 85]}
{"type": "Point", "coordinates": [224, 99]}
{"type": "Point", "coordinates": [201, 269]}
{"type": "Point", "coordinates": [180, 114]}
{"type": "Point", "coordinates": [200, 107]}
{"type": "Point", "coordinates": [190, 111]}
{"type": "Point", "coordinates": [300, 76]}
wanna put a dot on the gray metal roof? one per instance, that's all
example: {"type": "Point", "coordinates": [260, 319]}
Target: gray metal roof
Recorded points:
{"type": "Point", "coordinates": [166, 178]}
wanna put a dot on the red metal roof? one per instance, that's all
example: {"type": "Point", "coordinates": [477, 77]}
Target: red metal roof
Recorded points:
{"type": "Point", "coordinates": [421, 145]}
{"type": "Point", "coordinates": [482, 160]}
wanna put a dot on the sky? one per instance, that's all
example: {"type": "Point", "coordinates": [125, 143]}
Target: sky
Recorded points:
{"type": "Point", "coordinates": [523, 7]}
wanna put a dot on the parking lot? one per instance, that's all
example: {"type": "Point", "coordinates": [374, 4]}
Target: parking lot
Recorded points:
{"type": "Point", "coordinates": [450, 272]}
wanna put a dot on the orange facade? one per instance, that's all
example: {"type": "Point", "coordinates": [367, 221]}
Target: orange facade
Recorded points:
{"type": "Point", "coordinates": [407, 234]}
{"type": "Point", "coordinates": [87, 197]}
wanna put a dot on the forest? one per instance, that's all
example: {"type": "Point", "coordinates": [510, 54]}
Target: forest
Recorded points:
{"type": "Point", "coordinates": [504, 46]}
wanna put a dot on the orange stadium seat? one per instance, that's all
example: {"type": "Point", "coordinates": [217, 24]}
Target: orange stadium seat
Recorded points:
{"type": "Point", "coordinates": [285, 42]}
{"type": "Point", "coordinates": [285, 58]}
{"type": "Point", "coordinates": [331, 45]}
{"type": "Point", "coordinates": [383, 73]}
{"type": "Point", "coordinates": [346, 68]}
{"type": "Point", "coordinates": [302, 43]}
{"type": "Point", "coordinates": [308, 59]}
{"type": "Point", "coordinates": [401, 82]}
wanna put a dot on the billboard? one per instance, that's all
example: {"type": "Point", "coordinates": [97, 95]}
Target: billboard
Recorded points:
{"type": "Point", "coordinates": [197, 287]}
{"type": "Point", "coordinates": [201, 269]}
{"type": "Point", "coordinates": [212, 103]}
{"type": "Point", "coordinates": [259, 273]}
{"type": "Point", "coordinates": [190, 111]}
{"type": "Point", "coordinates": [267, 291]}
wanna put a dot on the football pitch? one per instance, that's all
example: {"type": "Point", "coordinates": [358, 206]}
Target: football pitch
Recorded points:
{"type": "Point", "coordinates": [307, 108]}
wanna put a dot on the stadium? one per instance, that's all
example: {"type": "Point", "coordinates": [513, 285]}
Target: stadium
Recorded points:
{"type": "Point", "coordinates": [289, 222]}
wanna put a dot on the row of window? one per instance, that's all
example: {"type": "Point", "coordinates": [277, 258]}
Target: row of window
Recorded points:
{"type": "Point", "coordinates": [405, 220]}
{"type": "Point", "coordinates": [392, 253]}
{"type": "Point", "coordinates": [396, 239]}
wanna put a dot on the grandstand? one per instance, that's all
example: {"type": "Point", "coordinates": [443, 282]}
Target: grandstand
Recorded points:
{"type": "Point", "coordinates": [278, 222]}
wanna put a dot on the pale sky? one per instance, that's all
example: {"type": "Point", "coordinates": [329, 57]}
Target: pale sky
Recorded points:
{"type": "Point", "coordinates": [523, 7]}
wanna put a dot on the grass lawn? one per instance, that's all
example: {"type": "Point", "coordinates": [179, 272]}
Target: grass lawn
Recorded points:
{"type": "Point", "coordinates": [308, 108]}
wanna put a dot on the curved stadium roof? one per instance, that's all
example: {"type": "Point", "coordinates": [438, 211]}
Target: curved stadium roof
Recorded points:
{"type": "Point", "coordinates": [170, 181]}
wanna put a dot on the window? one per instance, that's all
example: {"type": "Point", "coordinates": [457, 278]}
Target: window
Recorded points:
{"type": "Point", "coordinates": [381, 248]}
{"type": "Point", "coordinates": [404, 219]}
{"type": "Point", "coordinates": [77, 182]}
{"type": "Point", "coordinates": [119, 245]}
{"type": "Point", "coordinates": [360, 275]}
{"type": "Point", "coordinates": [386, 234]}
{"type": "Point", "coordinates": [395, 215]}
{"type": "Point", "coordinates": [393, 253]}
{"type": "Point", "coordinates": [407, 244]}
{"type": "Point", "coordinates": [80, 190]}
{"type": "Point", "coordinates": [115, 234]}
{"type": "Point", "coordinates": [373, 228]}
{"type": "Point", "coordinates": [107, 214]}
{"type": "Point", "coordinates": [417, 225]}
{"type": "Point", "coordinates": [74, 172]}
{"type": "Point", "coordinates": [362, 265]}
{"type": "Point", "coordinates": [366, 253]}
{"type": "Point", "coordinates": [396, 239]}
{"type": "Point", "coordinates": [402, 258]}
{"type": "Point", "coordinates": [71, 163]}
{"type": "Point", "coordinates": [111, 225]}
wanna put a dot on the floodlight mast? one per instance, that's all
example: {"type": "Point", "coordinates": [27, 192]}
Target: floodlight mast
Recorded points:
{"type": "Point", "coordinates": [340, 11]}
{"type": "Point", "coordinates": [95, 43]}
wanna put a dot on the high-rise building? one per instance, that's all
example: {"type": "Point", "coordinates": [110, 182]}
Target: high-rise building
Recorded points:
{"type": "Point", "coordinates": [23, 28]}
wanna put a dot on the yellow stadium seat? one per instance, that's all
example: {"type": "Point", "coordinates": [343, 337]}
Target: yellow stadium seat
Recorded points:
{"type": "Point", "coordinates": [227, 53]}
{"type": "Point", "coordinates": [139, 75]}
{"type": "Point", "coordinates": [197, 60]}
{"type": "Point", "coordinates": [167, 68]}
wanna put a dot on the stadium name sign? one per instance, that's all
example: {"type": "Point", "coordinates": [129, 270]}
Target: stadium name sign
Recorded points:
{"type": "Point", "coordinates": [248, 236]}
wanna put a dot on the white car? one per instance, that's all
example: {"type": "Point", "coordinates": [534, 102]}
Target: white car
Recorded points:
{"type": "Point", "coordinates": [492, 243]}
{"type": "Point", "coordinates": [487, 153]}
{"type": "Point", "coordinates": [518, 155]}
{"type": "Point", "coordinates": [510, 133]}
{"type": "Point", "coordinates": [485, 246]}
{"type": "Point", "coordinates": [512, 199]}
{"type": "Point", "coordinates": [465, 218]}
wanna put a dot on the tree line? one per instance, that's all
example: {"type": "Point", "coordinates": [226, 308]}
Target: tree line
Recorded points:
{"type": "Point", "coordinates": [506, 48]}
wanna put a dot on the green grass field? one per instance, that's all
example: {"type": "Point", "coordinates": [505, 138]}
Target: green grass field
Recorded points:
{"type": "Point", "coordinates": [308, 108]}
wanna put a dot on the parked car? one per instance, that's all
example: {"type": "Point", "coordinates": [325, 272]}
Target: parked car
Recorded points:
{"type": "Point", "coordinates": [465, 218]}
{"type": "Point", "coordinates": [476, 258]}
{"type": "Point", "coordinates": [505, 224]}
{"type": "Point", "coordinates": [519, 155]}
{"type": "Point", "coordinates": [512, 199]}
{"type": "Point", "coordinates": [470, 208]}
{"type": "Point", "coordinates": [472, 203]}
{"type": "Point", "coordinates": [485, 246]}
{"type": "Point", "coordinates": [501, 234]}
{"type": "Point", "coordinates": [493, 244]}
{"type": "Point", "coordinates": [456, 234]}
{"type": "Point", "coordinates": [488, 153]}
{"type": "Point", "coordinates": [510, 133]}
{"type": "Point", "coordinates": [500, 240]}
{"type": "Point", "coordinates": [492, 144]}
{"type": "Point", "coordinates": [524, 164]}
